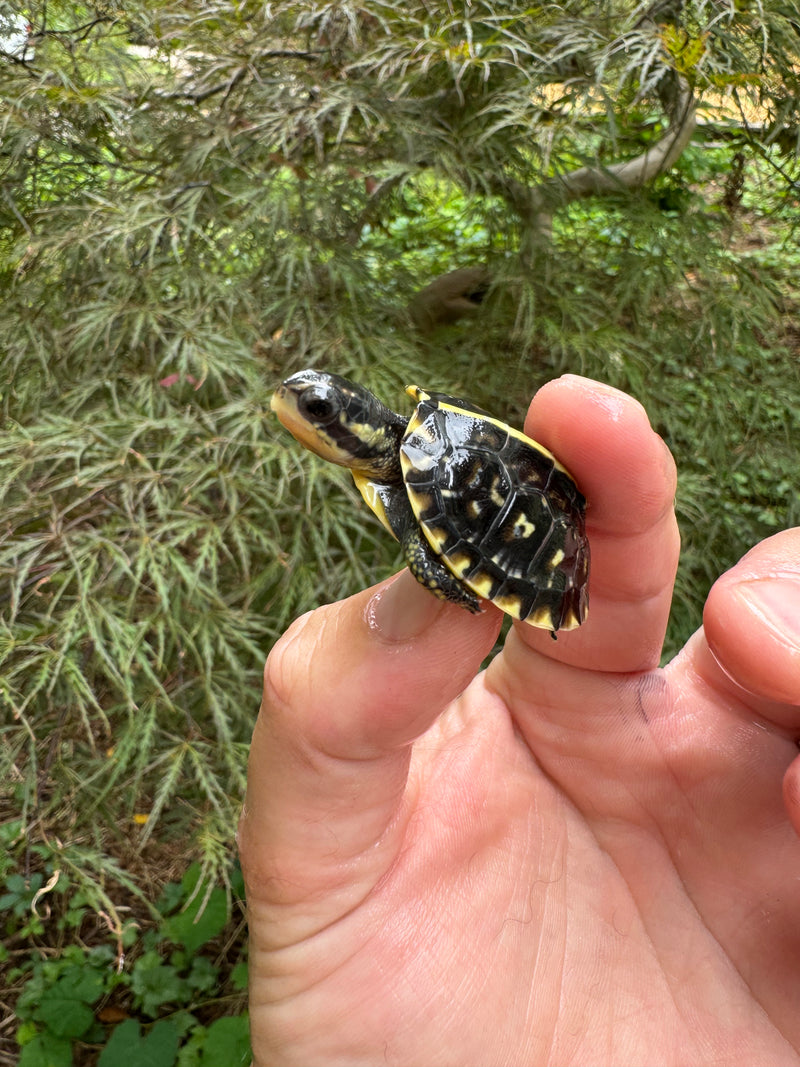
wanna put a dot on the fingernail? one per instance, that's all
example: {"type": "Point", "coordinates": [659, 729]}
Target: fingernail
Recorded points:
{"type": "Point", "coordinates": [776, 603]}
{"type": "Point", "coordinates": [402, 609]}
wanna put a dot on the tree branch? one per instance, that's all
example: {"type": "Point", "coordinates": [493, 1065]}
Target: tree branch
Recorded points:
{"type": "Point", "coordinates": [634, 173]}
{"type": "Point", "coordinates": [538, 203]}
{"type": "Point", "coordinates": [440, 303]}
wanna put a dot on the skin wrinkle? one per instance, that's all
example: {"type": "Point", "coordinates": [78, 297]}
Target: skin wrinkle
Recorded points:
{"type": "Point", "coordinates": [663, 837]}
{"type": "Point", "coordinates": [559, 981]}
{"type": "Point", "coordinates": [345, 882]}
{"type": "Point", "coordinates": [307, 753]}
{"type": "Point", "coordinates": [645, 512]}
{"type": "Point", "coordinates": [670, 725]}
{"type": "Point", "coordinates": [772, 667]}
{"type": "Point", "coordinates": [737, 973]}
{"type": "Point", "coordinates": [512, 685]}
{"type": "Point", "coordinates": [643, 582]}
{"type": "Point", "coordinates": [285, 696]}
{"type": "Point", "coordinates": [341, 871]}
{"type": "Point", "coordinates": [575, 1054]}
{"type": "Point", "coordinates": [599, 641]}
{"type": "Point", "coordinates": [714, 674]}
{"type": "Point", "coordinates": [278, 971]}
{"type": "Point", "coordinates": [341, 920]}
{"type": "Point", "coordinates": [692, 896]}
{"type": "Point", "coordinates": [704, 673]}
{"type": "Point", "coordinates": [543, 926]}
{"type": "Point", "coordinates": [786, 642]}
{"type": "Point", "coordinates": [650, 686]}
{"type": "Point", "coordinates": [454, 1001]}
{"type": "Point", "coordinates": [674, 980]}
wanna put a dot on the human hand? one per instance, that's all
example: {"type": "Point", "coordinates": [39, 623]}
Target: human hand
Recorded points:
{"type": "Point", "coordinates": [572, 857]}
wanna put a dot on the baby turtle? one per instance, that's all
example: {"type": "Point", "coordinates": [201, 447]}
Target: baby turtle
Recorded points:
{"type": "Point", "coordinates": [480, 509]}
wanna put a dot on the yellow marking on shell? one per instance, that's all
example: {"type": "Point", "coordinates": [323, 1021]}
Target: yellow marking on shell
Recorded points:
{"type": "Point", "coordinates": [422, 461]}
{"type": "Point", "coordinates": [475, 476]}
{"type": "Point", "coordinates": [436, 538]}
{"type": "Point", "coordinates": [420, 501]}
{"type": "Point", "coordinates": [542, 617]}
{"type": "Point", "coordinates": [482, 585]}
{"type": "Point", "coordinates": [372, 498]}
{"type": "Point", "coordinates": [510, 604]}
{"type": "Point", "coordinates": [496, 496]}
{"type": "Point", "coordinates": [427, 433]}
{"type": "Point", "coordinates": [523, 527]}
{"type": "Point", "coordinates": [459, 563]}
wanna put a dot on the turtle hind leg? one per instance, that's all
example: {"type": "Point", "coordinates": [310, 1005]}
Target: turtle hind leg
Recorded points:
{"type": "Point", "coordinates": [429, 571]}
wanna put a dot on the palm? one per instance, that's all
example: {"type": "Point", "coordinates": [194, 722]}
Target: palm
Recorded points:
{"type": "Point", "coordinates": [578, 862]}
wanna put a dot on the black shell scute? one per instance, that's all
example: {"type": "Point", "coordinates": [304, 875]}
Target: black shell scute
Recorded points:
{"type": "Point", "coordinates": [506, 519]}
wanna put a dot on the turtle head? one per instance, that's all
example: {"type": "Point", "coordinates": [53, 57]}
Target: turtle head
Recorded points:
{"type": "Point", "coordinates": [341, 422]}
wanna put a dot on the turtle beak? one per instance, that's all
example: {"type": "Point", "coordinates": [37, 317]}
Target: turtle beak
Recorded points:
{"type": "Point", "coordinates": [284, 404]}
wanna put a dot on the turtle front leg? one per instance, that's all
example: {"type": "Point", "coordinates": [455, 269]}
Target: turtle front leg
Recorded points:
{"type": "Point", "coordinates": [429, 571]}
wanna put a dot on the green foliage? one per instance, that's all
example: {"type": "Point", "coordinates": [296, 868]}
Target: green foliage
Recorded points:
{"type": "Point", "coordinates": [169, 985]}
{"type": "Point", "coordinates": [64, 1006]}
{"type": "Point", "coordinates": [202, 917]}
{"type": "Point", "coordinates": [46, 1050]}
{"type": "Point", "coordinates": [157, 1048]}
{"type": "Point", "coordinates": [19, 894]}
{"type": "Point", "coordinates": [56, 1003]}
{"type": "Point", "coordinates": [225, 1043]}
{"type": "Point", "coordinates": [198, 198]}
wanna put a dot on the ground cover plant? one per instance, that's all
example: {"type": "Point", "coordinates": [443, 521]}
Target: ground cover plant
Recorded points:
{"type": "Point", "coordinates": [199, 198]}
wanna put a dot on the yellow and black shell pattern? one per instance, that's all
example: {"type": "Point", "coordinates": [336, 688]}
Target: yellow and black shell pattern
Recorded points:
{"type": "Point", "coordinates": [502, 513]}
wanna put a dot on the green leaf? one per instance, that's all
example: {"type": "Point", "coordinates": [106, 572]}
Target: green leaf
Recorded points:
{"type": "Point", "coordinates": [82, 982]}
{"type": "Point", "coordinates": [202, 918]}
{"type": "Point", "coordinates": [227, 1043]}
{"type": "Point", "coordinates": [239, 975]}
{"type": "Point", "coordinates": [46, 1050]}
{"type": "Point", "coordinates": [156, 983]}
{"type": "Point", "coordinates": [26, 1032]}
{"type": "Point", "coordinates": [64, 1007]}
{"type": "Point", "coordinates": [129, 1047]}
{"type": "Point", "coordinates": [63, 1016]}
{"type": "Point", "coordinates": [203, 975]}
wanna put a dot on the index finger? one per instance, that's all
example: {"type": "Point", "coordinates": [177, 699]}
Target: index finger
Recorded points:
{"type": "Point", "coordinates": [628, 477]}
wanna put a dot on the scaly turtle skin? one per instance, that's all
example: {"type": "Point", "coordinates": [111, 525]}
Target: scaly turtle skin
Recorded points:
{"type": "Point", "coordinates": [480, 509]}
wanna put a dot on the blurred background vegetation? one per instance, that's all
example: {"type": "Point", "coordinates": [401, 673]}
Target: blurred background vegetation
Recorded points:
{"type": "Point", "coordinates": [199, 198]}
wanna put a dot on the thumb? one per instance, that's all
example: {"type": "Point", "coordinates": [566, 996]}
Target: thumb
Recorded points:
{"type": "Point", "coordinates": [752, 625]}
{"type": "Point", "coordinates": [346, 690]}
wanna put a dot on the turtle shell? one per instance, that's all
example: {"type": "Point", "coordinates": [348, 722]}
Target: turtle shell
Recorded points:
{"type": "Point", "coordinates": [501, 512]}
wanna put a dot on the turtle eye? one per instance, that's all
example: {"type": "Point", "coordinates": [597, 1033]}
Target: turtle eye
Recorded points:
{"type": "Point", "coordinates": [314, 406]}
